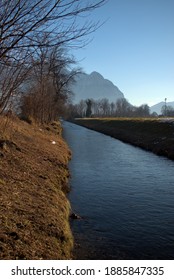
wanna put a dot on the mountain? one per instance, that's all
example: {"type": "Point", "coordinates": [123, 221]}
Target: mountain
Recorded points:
{"type": "Point", "coordinates": [157, 107]}
{"type": "Point", "coordinates": [94, 86]}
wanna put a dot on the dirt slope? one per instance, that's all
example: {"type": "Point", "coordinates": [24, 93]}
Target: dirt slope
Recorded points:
{"type": "Point", "coordinates": [34, 210]}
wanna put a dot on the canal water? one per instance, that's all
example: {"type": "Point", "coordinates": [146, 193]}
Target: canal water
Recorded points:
{"type": "Point", "coordinates": [124, 195]}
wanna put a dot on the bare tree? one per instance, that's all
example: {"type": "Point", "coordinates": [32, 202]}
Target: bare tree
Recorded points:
{"type": "Point", "coordinates": [123, 108]}
{"type": "Point", "coordinates": [27, 26]}
{"type": "Point", "coordinates": [21, 20]}
{"type": "Point", "coordinates": [81, 108]}
{"type": "Point", "coordinates": [142, 111]}
{"type": "Point", "coordinates": [47, 89]}
{"type": "Point", "coordinates": [167, 111]}
{"type": "Point", "coordinates": [12, 76]}
{"type": "Point", "coordinates": [105, 107]}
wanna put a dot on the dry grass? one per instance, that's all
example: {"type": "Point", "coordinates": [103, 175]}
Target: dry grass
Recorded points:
{"type": "Point", "coordinates": [34, 210]}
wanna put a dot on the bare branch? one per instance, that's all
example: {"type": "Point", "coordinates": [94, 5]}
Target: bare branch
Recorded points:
{"type": "Point", "coordinates": [32, 33]}
{"type": "Point", "coordinates": [21, 19]}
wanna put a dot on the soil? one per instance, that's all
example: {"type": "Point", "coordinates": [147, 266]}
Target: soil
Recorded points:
{"type": "Point", "coordinates": [152, 134]}
{"type": "Point", "coordinates": [34, 210]}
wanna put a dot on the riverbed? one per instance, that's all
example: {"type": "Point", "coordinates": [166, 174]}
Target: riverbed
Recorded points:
{"type": "Point", "coordinates": [124, 195]}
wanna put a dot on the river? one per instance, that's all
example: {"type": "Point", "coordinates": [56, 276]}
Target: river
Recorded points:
{"type": "Point", "coordinates": [124, 195]}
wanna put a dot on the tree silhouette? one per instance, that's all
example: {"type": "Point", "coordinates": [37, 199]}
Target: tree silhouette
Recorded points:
{"type": "Point", "coordinates": [88, 110]}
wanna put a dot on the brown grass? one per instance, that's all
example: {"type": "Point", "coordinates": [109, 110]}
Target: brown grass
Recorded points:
{"type": "Point", "coordinates": [34, 210]}
{"type": "Point", "coordinates": [156, 135]}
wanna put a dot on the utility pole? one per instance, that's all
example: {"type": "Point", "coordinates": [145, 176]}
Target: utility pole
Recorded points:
{"type": "Point", "coordinates": [165, 107]}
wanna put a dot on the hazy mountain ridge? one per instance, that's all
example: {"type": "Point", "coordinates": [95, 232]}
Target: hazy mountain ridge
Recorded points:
{"type": "Point", "coordinates": [94, 86]}
{"type": "Point", "coordinates": [157, 107]}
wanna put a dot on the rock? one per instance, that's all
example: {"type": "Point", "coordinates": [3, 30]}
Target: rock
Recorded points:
{"type": "Point", "coordinates": [3, 144]}
{"type": "Point", "coordinates": [75, 216]}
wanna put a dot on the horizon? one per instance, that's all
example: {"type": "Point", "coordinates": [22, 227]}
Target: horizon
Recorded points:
{"type": "Point", "coordinates": [150, 105]}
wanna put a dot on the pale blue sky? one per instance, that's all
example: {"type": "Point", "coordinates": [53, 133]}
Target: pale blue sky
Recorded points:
{"type": "Point", "coordinates": [134, 49]}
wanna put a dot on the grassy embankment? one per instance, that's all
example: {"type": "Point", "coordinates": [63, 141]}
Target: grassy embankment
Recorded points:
{"type": "Point", "coordinates": [34, 210]}
{"type": "Point", "coordinates": [155, 135]}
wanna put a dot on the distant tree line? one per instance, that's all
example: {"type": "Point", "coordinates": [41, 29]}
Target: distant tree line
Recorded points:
{"type": "Point", "coordinates": [104, 108]}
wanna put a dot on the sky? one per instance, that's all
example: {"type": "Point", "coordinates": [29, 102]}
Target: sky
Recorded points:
{"type": "Point", "coordinates": [134, 49]}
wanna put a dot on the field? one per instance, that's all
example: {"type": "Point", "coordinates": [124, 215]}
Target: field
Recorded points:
{"type": "Point", "coordinates": [152, 134]}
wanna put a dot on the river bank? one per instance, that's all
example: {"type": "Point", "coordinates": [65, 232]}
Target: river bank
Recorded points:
{"type": "Point", "coordinates": [34, 210]}
{"type": "Point", "coordinates": [155, 135]}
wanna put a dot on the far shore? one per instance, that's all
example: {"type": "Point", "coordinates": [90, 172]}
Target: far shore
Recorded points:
{"type": "Point", "coordinates": [152, 134]}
